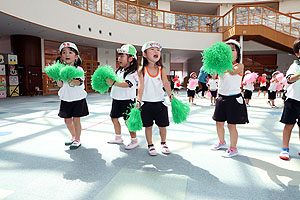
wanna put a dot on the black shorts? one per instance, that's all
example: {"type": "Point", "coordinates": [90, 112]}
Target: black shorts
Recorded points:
{"type": "Point", "coordinates": [176, 89]}
{"type": "Point", "coordinates": [191, 93]}
{"type": "Point", "coordinates": [263, 88]}
{"type": "Point", "coordinates": [271, 95]}
{"type": "Point", "coordinates": [214, 93]}
{"type": "Point", "coordinates": [73, 109]}
{"type": "Point", "coordinates": [120, 108]}
{"type": "Point", "coordinates": [291, 112]}
{"type": "Point", "coordinates": [247, 94]}
{"type": "Point", "coordinates": [231, 109]}
{"type": "Point", "coordinates": [155, 111]}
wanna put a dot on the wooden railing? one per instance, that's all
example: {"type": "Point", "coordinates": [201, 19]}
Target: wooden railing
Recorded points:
{"type": "Point", "coordinates": [262, 15]}
{"type": "Point", "coordinates": [239, 15]}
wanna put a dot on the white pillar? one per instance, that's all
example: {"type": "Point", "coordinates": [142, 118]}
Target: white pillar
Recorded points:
{"type": "Point", "coordinates": [43, 54]}
{"type": "Point", "coordinates": [241, 42]}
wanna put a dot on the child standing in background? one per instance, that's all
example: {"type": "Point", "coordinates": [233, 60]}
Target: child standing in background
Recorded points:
{"type": "Point", "coordinates": [72, 95]}
{"type": "Point", "coordinates": [191, 87]}
{"type": "Point", "coordinates": [262, 84]}
{"type": "Point", "coordinates": [272, 90]}
{"type": "Point", "coordinates": [213, 88]}
{"type": "Point", "coordinates": [248, 89]}
{"type": "Point", "coordinates": [152, 79]}
{"type": "Point", "coordinates": [124, 93]}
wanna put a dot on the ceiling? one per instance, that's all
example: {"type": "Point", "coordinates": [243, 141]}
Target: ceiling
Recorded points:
{"type": "Point", "coordinates": [194, 7]}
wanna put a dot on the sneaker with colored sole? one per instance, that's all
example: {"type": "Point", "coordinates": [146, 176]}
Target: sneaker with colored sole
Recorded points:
{"type": "Point", "coordinates": [284, 155]}
{"type": "Point", "coordinates": [132, 145]}
{"type": "Point", "coordinates": [218, 146]}
{"type": "Point", "coordinates": [117, 140]}
{"type": "Point", "coordinates": [70, 142]}
{"type": "Point", "coordinates": [229, 153]}
{"type": "Point", "coordinates": [165, 149]}
{"type": "Point", "coordinates": [152, 151]}
{"type": "Point", "coordinates": [75, 145]}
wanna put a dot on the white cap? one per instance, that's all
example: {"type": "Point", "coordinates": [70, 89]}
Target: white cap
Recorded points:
{"type": "Point", "coordinates": [231, 41]}
{"type": "Point", "coordinates": [150, 44]}
{"type": "Point", "coordinates": [68, 44]}
{"type": "Point", "coordinates": [128, 49]}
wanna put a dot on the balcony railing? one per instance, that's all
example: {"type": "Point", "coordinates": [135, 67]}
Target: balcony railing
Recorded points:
{"type": "Point", "coordinates": [239, 15]}
{"type": "Point", "coordinates": [261, 15]}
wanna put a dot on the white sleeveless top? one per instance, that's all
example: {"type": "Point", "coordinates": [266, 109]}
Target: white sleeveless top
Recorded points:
{"type": "Point", "coordinates": [230, 84]}
{"type": "Point", "coordinates": [153, 86]}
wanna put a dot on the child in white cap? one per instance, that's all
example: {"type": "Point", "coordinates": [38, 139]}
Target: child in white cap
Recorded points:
{"type": "Point", "coordinates": [73, 104]}
{"type": "Point", "coordinates": [152, 79]}
{"type": "Point", "coordinates": [124, 93]}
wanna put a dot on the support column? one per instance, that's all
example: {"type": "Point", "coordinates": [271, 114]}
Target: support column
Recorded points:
{"type": "Point", "coordinates": [241, 42]}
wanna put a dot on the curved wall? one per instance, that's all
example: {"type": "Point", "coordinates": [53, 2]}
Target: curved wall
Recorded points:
{"type": "Point", "coordinates": [63, 17]}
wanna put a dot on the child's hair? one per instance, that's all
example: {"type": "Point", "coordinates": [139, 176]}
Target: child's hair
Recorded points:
{"type": "Point", "coordinates": [145, 63]}
{"type": "Point", "coordinates": [191, 74]}
{"type": "Point", "coordinates": [237, 47]}
{"type": "Point", "coordinates": [132, 67]}
{"type": "Point", "coordinates": [296, 46]}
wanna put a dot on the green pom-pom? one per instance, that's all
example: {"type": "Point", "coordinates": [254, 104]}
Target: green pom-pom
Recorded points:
{"type": "Point", "coordinates": [99, 78]}
{"type": "Point", "coordinates": [134, 121]}
{"type": "Point", "coordinates": [69, 72]}
{"type": "Point", "coordinates": [53, 71]}
{"type": "Point", "coordinates": [217, 59]}
{"type": "Point", "coordinates": [180, 111]}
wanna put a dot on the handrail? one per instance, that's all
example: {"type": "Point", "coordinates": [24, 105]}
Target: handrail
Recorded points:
{"type": "Point", "coordinates": [146, 16]}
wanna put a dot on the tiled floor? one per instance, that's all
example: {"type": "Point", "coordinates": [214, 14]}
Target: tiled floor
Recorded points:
{"type": "Point", "coordinates": [35, 164]}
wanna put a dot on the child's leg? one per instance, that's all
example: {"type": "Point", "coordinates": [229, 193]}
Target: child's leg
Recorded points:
{"type": "Point", "coordinates": [272, 102]}
{"type": "Point", "coordinates": [132, 134]}
{"type": "Point", "coordinates": [148, 131]}
{"type": "Point", "coordinates": [246, 101]}
{"type": "Point", "coordinates": [117, 126]}
{"type": "Point", "coordinates": [192, 99]}
{"type": "Point", "coordinates": [215, 99]}
{"type": "Point", "coordinates": [163, 133]}
{"type": "Point", "coordinates": [211, 99]}
{"type": "Point", "coordinates": [287, 135]}
{"type": "Point", "coordinates": [265, 93]}
{"type": "Point", "coordinates": [259, 91]}
{"type": "Point", "coordinates": [70, 126]}
{"type": "Point", "coordinates": [221, 131]}
{"type": "Point", "coordinates": [233, 135]}
{"type": "Point", "coordinates": [77, 127]}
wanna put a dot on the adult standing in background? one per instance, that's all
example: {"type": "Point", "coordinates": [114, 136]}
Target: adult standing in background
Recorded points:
{"type": "Point", "coordinates": [202, 78]}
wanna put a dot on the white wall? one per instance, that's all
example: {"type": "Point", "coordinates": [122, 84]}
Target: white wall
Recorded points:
{"type": "Point", "coordinates": [224, 8]}
{"type": "Point", "coordinates": [164, 5]}
{"type": "Point", "coordinates": [284, 61]}
{"type": "Point", "coordinates": [107, 57]}
{"type": "Point", "coordinates": [288, 6]}
{"type": "Point", "coordinates": [42, 12]}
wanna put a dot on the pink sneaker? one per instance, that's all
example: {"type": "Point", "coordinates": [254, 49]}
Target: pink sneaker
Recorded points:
{"type": "Point", "coordinates": [117, 140]}
{"type": "Point", "coordinates": [133, 144]}
{"type": "Point", "coordinates": [152, 151]}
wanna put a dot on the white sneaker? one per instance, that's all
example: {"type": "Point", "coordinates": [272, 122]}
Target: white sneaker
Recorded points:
{"type": "Point", "coordinates": [218, 146]}
{"type": "Point", "coordinates": [228, 153]}
{"type": "Point", "coordinates": [75, 145]}
{"type": "Point", "coordinates": [132, 145]}
{"type": "Point", "coordinates": [117, 140]}
{"type": "Point", "coordinates": [284, 155]}
{"type": "Point", "coordinates": [152, 151]}
{"type": "Point", "coordinates": [165, 149]}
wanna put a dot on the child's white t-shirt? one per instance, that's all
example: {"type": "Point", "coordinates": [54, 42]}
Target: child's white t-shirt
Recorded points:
{"type": "Point", "coordinates": [249, 86]}
{"type": "Point", "coordinates": [70, 92]}
{"type": "Point", "coordinates": [293, 91]}
{"type": "Point", "coordinates": [273, 86]}
{"type": "Point", "coordinates": [213, 84]}
{"type": "Point", "coordinates": [120, 93]}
